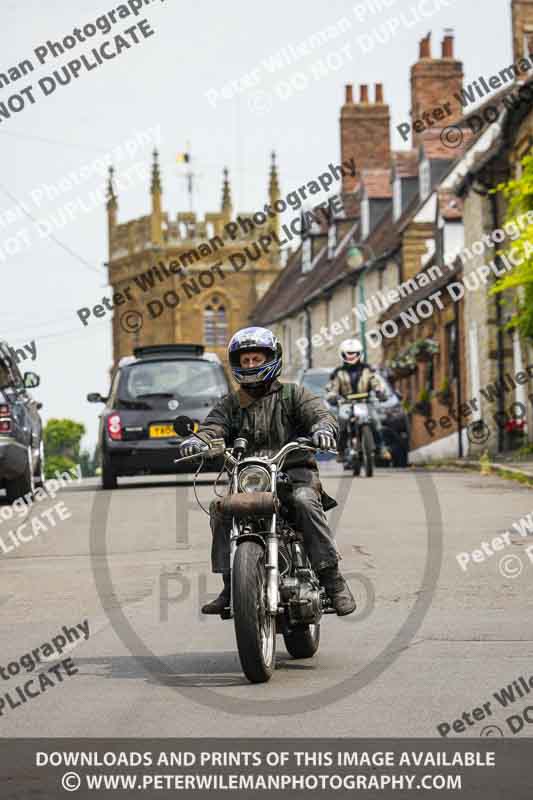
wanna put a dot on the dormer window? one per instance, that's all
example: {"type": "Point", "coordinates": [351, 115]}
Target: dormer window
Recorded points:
{"type": "Point", "coordinates": [332, 241]}
{"type": "Point", "coordinates": [365, 217]}
{"type": "Point", "coordinates": [306, 255]}
{"type": "Point", "coordinates": [425, 179]}
{"type": "Point", "coordinates": [397, 198]}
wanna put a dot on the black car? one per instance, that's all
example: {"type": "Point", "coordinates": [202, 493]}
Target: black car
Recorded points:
{"type": "Point", "coordinates": [395, 422]}
{"type": "Point", "coordinates": [21, 445]}
{"type": "Point", "coordinates": [148, 391]}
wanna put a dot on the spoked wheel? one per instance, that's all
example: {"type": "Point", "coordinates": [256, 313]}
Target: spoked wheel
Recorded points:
{"type": "Point", "coordinates": [367, 445]}
{"type": "Point", "coordinates": [255, 628]}
{"type": "Point", "coordinates": [303, 641]}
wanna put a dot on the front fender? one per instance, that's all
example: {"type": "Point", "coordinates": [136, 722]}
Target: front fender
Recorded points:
{"type": "Point", "coordinates": [251, 537]}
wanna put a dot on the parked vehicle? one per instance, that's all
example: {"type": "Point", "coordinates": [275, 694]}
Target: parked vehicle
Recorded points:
{"type": "Point", "coordinates": [21, 442]}
{"type": "Point", "coordinates": [394, 421]}
{"type": "Point", "coordinates": [136, 433]}
{"type": "Point", "coordinates": [360, 444]}
{"type": "Point", "coordinates": [316, 379]}
{"type": "Point", "coordinates": [273, 587]}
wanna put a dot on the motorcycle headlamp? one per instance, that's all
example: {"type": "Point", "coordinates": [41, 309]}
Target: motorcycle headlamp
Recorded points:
{"type": "Point", "coordinates": [254, 479]}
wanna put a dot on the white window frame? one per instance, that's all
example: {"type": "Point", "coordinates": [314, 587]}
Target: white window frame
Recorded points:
{"type": "Point", "coordinates": [397, 198]}
{"type": "Point", "coordinates": [365, 217]}
{"type": "Point", "coordinates": [306, 255]}
{"type": "Point", "coordinates": [424, 173]}
{"type": "Point", "coordinates": [332, 241]}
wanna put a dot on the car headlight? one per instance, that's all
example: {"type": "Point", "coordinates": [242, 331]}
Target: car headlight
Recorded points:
{"type": "Point", "coordinates": [254, 479]}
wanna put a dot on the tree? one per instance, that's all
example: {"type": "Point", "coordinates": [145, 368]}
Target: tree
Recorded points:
{"type": "Point", "coordinates": [519, 195]}
{"type": "Point", "coordinates": [61, 439]}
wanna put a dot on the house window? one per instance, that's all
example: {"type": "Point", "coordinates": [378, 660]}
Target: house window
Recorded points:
{"type": "Point", "coordinates": [332, 241]}
{"type": "Point", "coordinates": [306, 255]}
{"type": "Point", "coordinates": [451, 350]}
{"type": "Point", "coordinates": [397, 198]}
{"type": "Point", "coordinates": [215, 323]}
{"type": "Point", "coordinates": [425, 179]}
{"type": "Point", "coordinates": [365, 218]}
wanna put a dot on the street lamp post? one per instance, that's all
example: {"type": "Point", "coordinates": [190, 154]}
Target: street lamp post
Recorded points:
{"type": "Point", "coordinates": [355, 260]}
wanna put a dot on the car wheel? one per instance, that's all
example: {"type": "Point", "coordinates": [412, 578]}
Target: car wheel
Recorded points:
{"type": "Point", "coordinates": [22, 485]}
{"type": "Point", "coordinates": [109, 476]}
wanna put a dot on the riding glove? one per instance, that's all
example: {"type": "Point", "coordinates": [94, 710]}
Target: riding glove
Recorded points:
{"type": "Point", "coordinates": [323, 439]}
{"type": "Point", "coordinates": [190, 447]}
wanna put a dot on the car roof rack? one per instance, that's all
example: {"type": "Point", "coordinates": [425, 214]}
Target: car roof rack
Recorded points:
{"type": "Point", "coordinates": [157, 350]}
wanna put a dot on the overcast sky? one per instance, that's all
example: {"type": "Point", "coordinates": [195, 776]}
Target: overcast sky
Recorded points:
{"type": "Point", "coordinates": [174, 79]}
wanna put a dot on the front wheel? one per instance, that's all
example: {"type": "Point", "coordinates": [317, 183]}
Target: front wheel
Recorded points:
{"type": "Point", "coordinates": [302, 642]}
{"type": "Point", "coordinates": [255, 627]}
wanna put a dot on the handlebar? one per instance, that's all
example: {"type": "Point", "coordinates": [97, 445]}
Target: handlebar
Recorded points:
{"type": "Point", "coordinates": [301, 444]}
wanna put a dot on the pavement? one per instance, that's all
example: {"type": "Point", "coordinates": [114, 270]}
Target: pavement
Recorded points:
{"type": "Point", "coordinates": [430, 642]}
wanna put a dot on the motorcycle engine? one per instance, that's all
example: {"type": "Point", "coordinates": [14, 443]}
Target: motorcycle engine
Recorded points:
{"type": "Point", "coordinates": [302, 597]}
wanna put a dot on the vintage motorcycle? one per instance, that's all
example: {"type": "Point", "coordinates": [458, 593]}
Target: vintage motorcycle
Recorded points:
{"type": "Point", "coordinates": [273, 587]}
{"type": "Point", "coordinates": [360, 444]}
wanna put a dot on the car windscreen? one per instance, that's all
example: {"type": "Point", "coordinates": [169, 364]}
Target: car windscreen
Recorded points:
{"type": "Point", "coordinates": [148, 383]}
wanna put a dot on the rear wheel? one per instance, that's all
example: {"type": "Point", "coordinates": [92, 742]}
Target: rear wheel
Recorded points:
{"type": "Point", "coordinates": [22, 485]}
{"type": "Point", "coordinates": [303, 641]}
{"type": "Point", "coordinates": [367, 445]}
{"type": "Point", "coordinates": [255, 628]}
{"type": "Point", "coordinates": [109, 476]}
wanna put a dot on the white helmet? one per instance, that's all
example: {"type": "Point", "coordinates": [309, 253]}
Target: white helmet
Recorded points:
{"type": "Point", "coordinates": [351, 351]}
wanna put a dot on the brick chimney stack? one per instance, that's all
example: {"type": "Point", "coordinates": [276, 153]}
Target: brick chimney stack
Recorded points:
{"type": "Point", "coordinates": [435, 81]}
{"type": "Point", "coordinates": [522, 18]}
{"type": "Point", "coordinates": [365, 133]}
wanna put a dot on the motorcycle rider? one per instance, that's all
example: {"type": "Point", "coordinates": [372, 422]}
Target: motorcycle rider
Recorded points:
{"type": "Point", "coordinates": [354, 376]}
{"type": "Point", "coordinates": [270, 414]}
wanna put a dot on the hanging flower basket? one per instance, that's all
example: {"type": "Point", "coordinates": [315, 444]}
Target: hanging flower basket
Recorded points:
{"type": "Point", "coordinates": [404, 371]}
{"type": "Point", "coordinates": [424, 349]}
{"type": "Point", "coordinates": [403, 365]}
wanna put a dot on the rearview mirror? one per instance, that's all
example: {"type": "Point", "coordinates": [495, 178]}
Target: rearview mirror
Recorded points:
{"type": "Point", "coordinates": [31, 380]}
{"type": "Point", "coordinates": [184, 426]}
{"type": "Point", "coordinates": [96, 397]}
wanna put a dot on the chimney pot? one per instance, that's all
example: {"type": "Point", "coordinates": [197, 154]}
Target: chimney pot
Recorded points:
{"type": "Point", "coordinates": [447, 44]}
{"type": "Point", "coordinates": [425, 46]}
{"type": "Point", "coordinates": [379, 93]}
{"type": "Point", "coordinates": [363, 93]}
{"type": "Point", "coordinates": [349, 93]}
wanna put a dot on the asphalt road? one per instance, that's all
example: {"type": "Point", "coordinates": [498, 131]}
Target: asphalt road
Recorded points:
{"type": "Point", "coordinates": [429, 641]}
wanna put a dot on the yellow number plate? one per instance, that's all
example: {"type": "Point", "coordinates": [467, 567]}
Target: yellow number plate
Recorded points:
{"type": "Point", "coordinates": [160, 431]}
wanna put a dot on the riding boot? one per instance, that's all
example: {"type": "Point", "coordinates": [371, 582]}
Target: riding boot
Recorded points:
{"type": "Point", "coordinates": [218, 605]}
{"type": "Point", "coordinates": [337, 590]}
